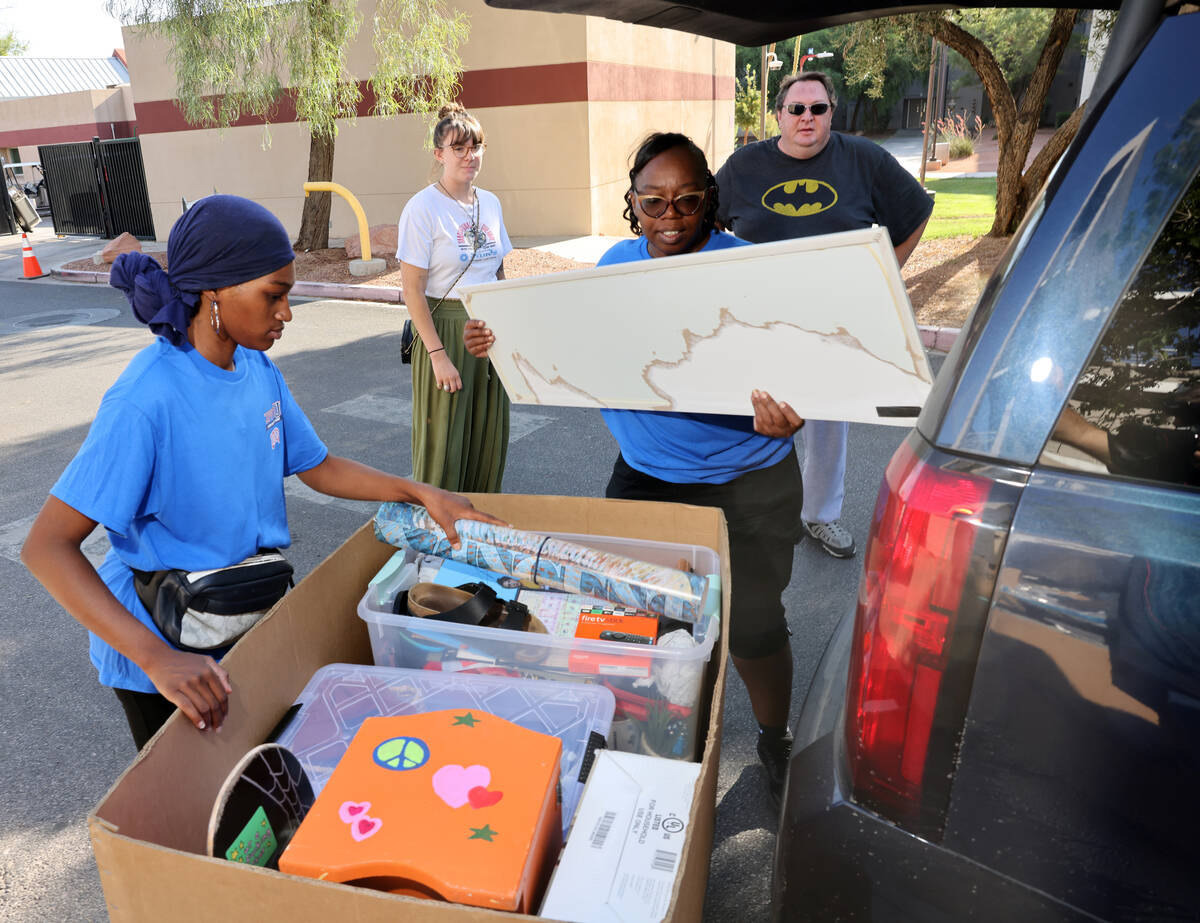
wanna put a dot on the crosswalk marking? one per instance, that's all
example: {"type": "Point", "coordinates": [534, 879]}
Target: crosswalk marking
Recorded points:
{"type": "Point", "coordinates": [13, 534]}
{"type": "Point", "coordinates": [296, 489]}
{"type": "Point", "coordinates": [394, 411]}
{"type": "Point", "coordinates": [397, 411]}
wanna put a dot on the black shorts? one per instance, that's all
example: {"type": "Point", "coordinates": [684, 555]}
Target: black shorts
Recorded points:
{"type": "Point", "coordinates": [146, 712]}
{"type": "Point", "coordinates": [762, 512]}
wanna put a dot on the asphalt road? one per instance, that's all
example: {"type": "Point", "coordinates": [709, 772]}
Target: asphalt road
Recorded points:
{"type": "Point", "coordinates": [63, 739]}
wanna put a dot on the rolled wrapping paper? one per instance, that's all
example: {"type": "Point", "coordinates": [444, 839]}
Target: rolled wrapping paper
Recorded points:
{"type": "Point", "coordinates": [549, 562]}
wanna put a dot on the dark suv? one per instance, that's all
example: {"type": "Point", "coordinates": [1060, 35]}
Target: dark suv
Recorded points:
{"type": "Point", "coordinates": [1008, 726]}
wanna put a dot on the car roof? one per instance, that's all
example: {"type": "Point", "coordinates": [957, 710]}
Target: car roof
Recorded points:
{"type": "Point", "coordinates": [748, 23]}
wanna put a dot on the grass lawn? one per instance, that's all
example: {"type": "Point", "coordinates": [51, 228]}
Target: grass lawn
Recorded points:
{"type": "Point", "coordinates": [965, 206]}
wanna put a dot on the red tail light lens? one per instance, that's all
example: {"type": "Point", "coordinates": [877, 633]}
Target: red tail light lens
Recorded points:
{"type": "Point", "coordinates": [917, 560]}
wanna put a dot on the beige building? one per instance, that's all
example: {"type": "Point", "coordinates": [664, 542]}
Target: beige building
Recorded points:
{"type": "Point", "coordinates": [563, 100]}
{"type": "Point", "coordinates": [52, 100]}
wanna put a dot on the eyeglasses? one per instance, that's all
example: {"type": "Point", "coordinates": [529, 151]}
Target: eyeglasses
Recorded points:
{"type": "Point", "coordinates": [462, 150]}
{"type": "Point", "coordinates": [655, 206]}
{"type": "Point", "coordinates": [800, 108]}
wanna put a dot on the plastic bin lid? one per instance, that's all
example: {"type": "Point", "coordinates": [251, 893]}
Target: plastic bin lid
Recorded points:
{"type": "Point", "coordinates": [340, 696]}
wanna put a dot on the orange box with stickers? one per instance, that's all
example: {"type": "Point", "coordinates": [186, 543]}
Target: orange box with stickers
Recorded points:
{"type": "Point", "coordinates": [454, 805]}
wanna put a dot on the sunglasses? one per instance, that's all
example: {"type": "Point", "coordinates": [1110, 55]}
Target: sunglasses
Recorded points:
{"type": "Point", "coordinates": [655, 206]}
{"type": "Point", "coordinates": [800, 108]}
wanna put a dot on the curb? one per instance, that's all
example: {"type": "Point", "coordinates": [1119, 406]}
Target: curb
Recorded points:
{"type": "Point", "coordinates": [939, 339]}
{"type": "Point", "coordinates": [311, 289]}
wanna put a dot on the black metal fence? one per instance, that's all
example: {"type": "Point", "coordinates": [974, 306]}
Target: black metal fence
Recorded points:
{"type": "Point", "coordinates": [8, 220]}
{"type": "Point", "coordinates": [97, 188]}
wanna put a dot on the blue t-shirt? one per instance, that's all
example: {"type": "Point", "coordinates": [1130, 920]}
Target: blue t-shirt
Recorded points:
{"type": "Point", "coordinates": [688, 448]}
{"type": "Point", "coordinates": [184, 467]}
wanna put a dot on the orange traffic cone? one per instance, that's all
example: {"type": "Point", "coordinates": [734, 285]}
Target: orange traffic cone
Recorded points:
{"type": "Point", "coordinates": [33, 269]}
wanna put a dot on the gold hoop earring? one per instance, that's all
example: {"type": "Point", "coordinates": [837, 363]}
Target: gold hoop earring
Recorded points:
{"type": "Point", "coordinates": [214, 317]}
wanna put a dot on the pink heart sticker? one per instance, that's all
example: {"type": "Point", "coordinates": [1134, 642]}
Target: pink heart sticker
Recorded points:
{"type": "Point", "coordinates": [453, 783]}
{"type": "Point", "coordinates": [481, 797]}
{"type": "Point", "coordinates": [365, 827]}
{"type": "Point", "coordinates": [352, 809]}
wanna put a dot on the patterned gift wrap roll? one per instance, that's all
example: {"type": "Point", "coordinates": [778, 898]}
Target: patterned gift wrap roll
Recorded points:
{"type": "Point", "coordinates": [549, 562]}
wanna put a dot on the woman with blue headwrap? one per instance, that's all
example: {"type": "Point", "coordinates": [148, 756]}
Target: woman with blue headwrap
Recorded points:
{"type": "Point", "coordinates": [185, 460]}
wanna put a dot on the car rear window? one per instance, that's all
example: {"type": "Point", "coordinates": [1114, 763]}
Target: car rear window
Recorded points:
{"type": "Point", "coordinates": [1135, 410]}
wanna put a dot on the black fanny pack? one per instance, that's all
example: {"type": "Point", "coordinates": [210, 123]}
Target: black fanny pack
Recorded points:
{"type": "Point", "coordinates": [209, 609]}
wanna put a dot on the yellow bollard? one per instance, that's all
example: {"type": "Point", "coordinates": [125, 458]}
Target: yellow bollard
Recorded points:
{"type": "Point", "coordinates": [364, 232]}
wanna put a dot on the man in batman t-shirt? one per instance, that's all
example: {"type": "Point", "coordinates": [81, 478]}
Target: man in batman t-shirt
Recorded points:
{"type": "Point", "coordinates": [806, 182]}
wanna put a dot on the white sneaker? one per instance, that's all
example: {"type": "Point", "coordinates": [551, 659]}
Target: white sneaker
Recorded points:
{"type": "Point", "coordinates": [833, 536]}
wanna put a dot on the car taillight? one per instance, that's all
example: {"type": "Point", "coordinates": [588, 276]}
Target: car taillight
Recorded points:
{"type": "Point", "coordinates": [917, 561]}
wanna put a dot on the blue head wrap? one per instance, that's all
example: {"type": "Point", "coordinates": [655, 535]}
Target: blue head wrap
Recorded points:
{"type": "Point", "coordinates": [221, 240]}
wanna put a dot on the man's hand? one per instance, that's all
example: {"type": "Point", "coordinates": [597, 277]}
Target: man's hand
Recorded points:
{"type": "Point", "coordinates": [772, 419]}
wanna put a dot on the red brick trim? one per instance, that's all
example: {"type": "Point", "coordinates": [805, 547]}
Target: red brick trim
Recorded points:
{"type": "Point", "coordinates": [582, 81]}
{"type": "Point", "coordinates": [57, 134]}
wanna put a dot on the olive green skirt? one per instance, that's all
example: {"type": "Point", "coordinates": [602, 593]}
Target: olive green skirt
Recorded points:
{"type": "Point", "coordinates": [459, 440]}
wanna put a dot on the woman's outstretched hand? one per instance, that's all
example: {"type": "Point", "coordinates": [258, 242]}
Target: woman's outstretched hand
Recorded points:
{"type": "Point", "coordinates": [478, 338]}
{"type": "Point", "coordinates": [196, 684]}
{"type": "Point", "coordinates": [446, 508]}
{"type": "Point", "coordinates": [777, 420]}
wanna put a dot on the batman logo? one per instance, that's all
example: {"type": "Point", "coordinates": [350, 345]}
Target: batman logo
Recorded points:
{"type": "Point", "coordinates": [798, 198]}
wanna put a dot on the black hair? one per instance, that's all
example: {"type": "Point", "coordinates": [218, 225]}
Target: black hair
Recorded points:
{"type": "Point", "coordinates": [659, 143]}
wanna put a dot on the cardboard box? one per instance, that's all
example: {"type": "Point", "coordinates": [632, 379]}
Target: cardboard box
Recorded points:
{"type": "Point", "coordinates": [623, 861]}
{"type": "Point", "coordinates": [148, 833]}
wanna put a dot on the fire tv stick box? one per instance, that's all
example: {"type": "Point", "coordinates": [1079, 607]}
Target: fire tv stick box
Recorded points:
{"type": "Point", "coordinates": [621, 860]}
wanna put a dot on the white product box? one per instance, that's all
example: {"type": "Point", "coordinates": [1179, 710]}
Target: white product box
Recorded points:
{"type": "Point", "coordinates": [622, 857]}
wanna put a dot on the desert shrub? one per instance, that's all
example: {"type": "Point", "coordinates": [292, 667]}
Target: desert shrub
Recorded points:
{"type": "Point", "coordinates": [961, 134]}
{"type": "Point", "coordinates": [961, 147]}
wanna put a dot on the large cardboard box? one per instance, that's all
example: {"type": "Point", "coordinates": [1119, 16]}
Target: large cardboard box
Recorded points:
{"type": "Point", "coordinates": [148, 832]}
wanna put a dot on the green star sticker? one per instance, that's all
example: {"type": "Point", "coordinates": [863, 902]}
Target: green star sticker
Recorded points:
{"type": "Point", "coordinates": [468, 719]}
{"type": "Point", "coordinates": [483, 833]}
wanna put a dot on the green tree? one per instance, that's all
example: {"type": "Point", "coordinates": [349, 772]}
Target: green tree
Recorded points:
{"type": "Point", "coordinates": [1014, 37]}
{"type": "Point", "coordinates": [1017, 114]}
{"type": "Point", "coordinates": [881, 66]}
{"type": "Point", "coordinates": [11, 45]}
{"type": "Point", "coordinates": [884, 87]}
{"type": "Point", "coordinates": [746, 101]}
{"type": "Point", "coordinates": [241, 57]}
{"type": "Point", "coordinates": [747, 105]}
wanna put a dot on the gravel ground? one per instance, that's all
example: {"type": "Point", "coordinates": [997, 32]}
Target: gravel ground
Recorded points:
{"type": "Point", "coordinates": [944, 277]}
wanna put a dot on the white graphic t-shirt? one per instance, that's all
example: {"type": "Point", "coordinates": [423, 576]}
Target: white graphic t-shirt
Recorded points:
{"type": "Point", "coordinates": [435, 233]}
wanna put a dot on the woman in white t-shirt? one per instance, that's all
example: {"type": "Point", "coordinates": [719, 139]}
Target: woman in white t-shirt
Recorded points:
{"type": "Point", "coordinates": [452, 234]}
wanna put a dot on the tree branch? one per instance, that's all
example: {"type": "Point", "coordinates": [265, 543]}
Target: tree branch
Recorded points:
{"type": "Point", "coordinates": [1053, 49]}
{"type": "Point", "coordinates": [984, 63]}
{"type": "Point", "coordinates": [1036, 173]}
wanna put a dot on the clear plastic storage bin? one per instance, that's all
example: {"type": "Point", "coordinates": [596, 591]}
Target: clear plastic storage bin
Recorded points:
{"type": "Point", "coordinates": [341, 696]}
{"type": "Point", "coordinates": [657, 687]}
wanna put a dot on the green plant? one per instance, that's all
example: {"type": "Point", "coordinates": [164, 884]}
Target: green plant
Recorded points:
{"type": "Point", "coordinates": [747, 107]}
{"type": "Point", "coordinates": [961, 134]}
{"type": "Point", "coordinates": [663, 732]}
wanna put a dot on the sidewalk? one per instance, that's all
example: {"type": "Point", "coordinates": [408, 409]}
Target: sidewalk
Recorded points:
{"type": "Point", "coordinates": [905, 146]}
{"type": "Point", "coordinates": [54, 252]}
